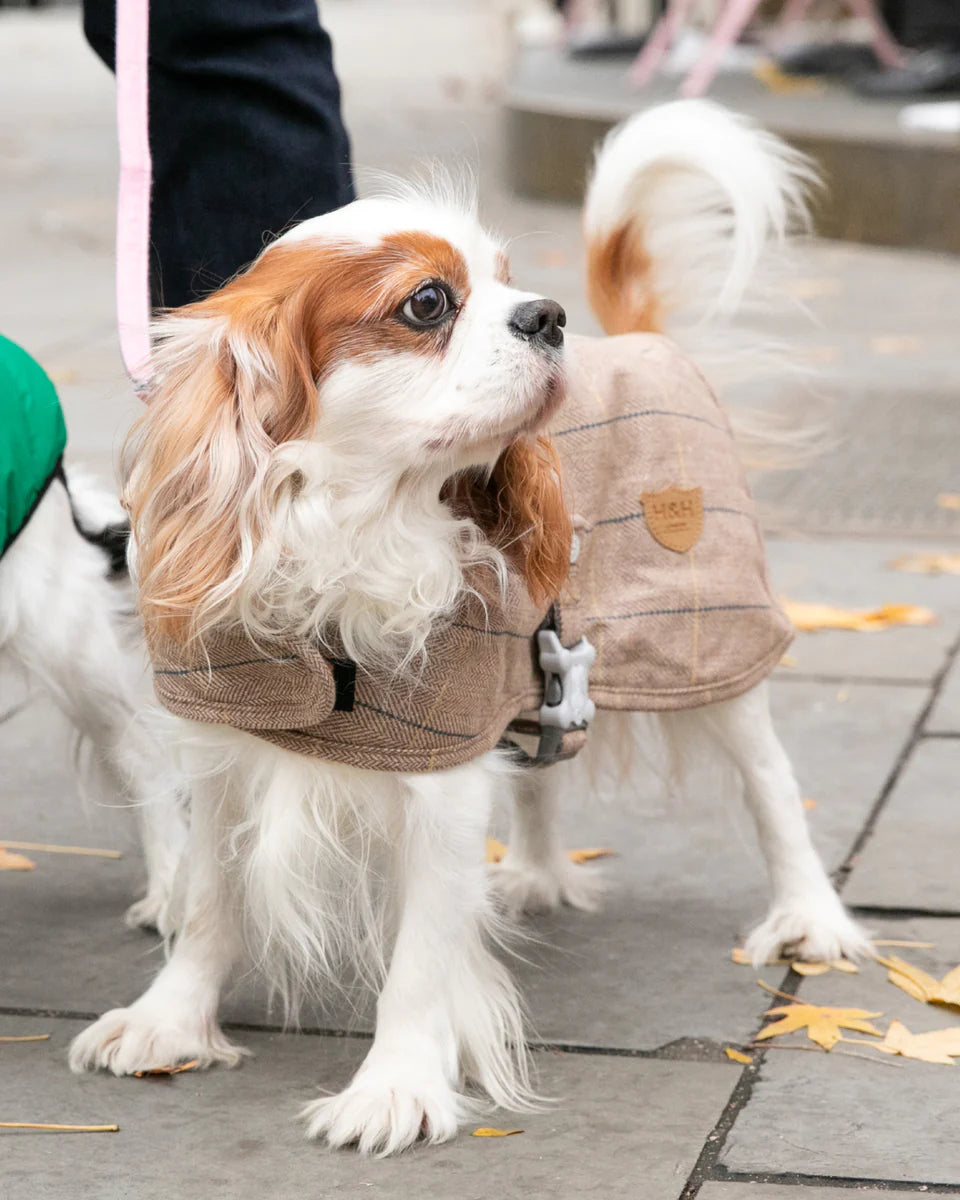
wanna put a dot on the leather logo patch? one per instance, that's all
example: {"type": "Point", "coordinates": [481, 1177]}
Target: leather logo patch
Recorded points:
{"type": "Point", "coordinates": [674, 517]}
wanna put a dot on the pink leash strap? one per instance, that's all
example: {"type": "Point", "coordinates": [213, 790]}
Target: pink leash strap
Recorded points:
{"type": "Point", "coordinates": [133, 200]}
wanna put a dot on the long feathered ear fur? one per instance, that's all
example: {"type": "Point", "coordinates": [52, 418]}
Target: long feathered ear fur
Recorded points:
{"type": "Point", "coordinates": [232, 382]}
{"type": "Point", "coordinates": [522, 511]}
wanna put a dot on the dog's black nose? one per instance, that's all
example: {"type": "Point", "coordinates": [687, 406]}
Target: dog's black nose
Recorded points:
{"type": "Point", "coordinates": [539, 320]}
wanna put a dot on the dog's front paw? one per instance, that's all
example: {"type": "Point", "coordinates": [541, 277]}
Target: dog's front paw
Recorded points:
{"type": "Point", "coordinates": [525, 887]}
{"type": "Point", "coordinates": [385, 1110]}
{"type": "Point", "coordinates": [145, 1036]}
{"type": "Point", "coordinates": [815, 930]}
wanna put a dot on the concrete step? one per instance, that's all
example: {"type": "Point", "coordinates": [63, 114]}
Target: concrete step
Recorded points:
{"type": "Point", "coordinates": [885, 185]}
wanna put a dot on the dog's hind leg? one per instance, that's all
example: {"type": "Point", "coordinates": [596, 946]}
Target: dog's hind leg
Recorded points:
{"type": "Point", "coordinates": [806, 918]}
{"type": "Point", "coordinates": [536, 874]}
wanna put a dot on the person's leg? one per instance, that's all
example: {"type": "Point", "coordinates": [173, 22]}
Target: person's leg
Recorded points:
{"type": "Point", "coordinates": [246, 134]}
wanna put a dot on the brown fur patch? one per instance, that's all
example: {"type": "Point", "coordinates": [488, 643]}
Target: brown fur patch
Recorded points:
{"type": "Point", "coordinates": [620, 284]}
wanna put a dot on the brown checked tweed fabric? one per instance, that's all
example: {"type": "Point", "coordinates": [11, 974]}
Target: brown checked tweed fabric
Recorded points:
{"type": "Point", "coordinates": [669, 584]}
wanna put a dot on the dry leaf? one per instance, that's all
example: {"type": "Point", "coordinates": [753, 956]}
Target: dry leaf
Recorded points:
{"type": "Point", "coordinates": [810, 617]}
{"type": "Point", "coordinates": [60, 1128]}
{"type": "Point", "coordinates": [904, 945]}
{"type": "Point", "coordinates": [485, 1132]}
{"type": "Point", "coordinates": [187, 1066]}
{"type": "Point", "coordinates": [822, 1024]}
{"type": "Point", "coordinates": [928, 564]}
{"type": "Point", "coordinates": [939, 1046]}
{"type": "Point", "coordinates": [740, 956]}
{"type": "Point", "coordinates": [32, 1037]}
{"type": "Point", "coordinates": [949, 500]}
{"type": "Point", "coordinates": [582, 856]}
{"type": "Point", "coordinates": [496, 850]}
{"type": "Point", "coordinates": [775, 80]}
{"type": "Point", "coordinates": [15, 862]}
{"type": "Point", "coordinates": [788, 661]}
{"type": "Point", "coordinates": [808, 804]}
{"type": "Point", "coordinates": [737, 1055]}
{"type": "Point", "coordinates": [810, 968]}
{"type": "Point", "coordinates": [895, 344]}
{"type": "Point", "coordinates": [920, 985]}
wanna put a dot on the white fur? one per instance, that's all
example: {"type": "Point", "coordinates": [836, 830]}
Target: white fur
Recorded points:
{"type": "Point", "coordinates": [71, 634]}
{"type": "Point", "coordinates": [310, 866]}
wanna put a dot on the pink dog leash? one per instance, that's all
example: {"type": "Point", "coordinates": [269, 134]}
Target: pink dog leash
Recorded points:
{"type": "Point", "coordinates": [133, 200]}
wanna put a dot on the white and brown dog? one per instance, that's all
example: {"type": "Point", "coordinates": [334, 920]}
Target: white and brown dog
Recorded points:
{"type": "Point", "coordinates": [291, 477]}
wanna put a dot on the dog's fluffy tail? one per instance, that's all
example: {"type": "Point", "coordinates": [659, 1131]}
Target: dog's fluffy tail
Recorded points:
{"type": "Point", "coordinates": [688, 207]}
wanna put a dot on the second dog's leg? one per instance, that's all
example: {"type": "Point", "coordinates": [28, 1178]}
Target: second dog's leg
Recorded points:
{"type": "Point", "coordinates": [806, 918]}
{"type": "Point", "coordinates": [448, 1010]}
{"type": "Point", "coordinates": [536, 874]}
{"type": "Point", "coordinates": [175, 1020]}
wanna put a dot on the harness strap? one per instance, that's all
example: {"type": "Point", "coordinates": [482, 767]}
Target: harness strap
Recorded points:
{"type": "Point", "coordinates": [133, 200]}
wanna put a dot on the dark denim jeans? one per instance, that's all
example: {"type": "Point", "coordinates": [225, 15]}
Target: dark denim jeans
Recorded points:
{"type": "Point", "coordinates": [246, 134]}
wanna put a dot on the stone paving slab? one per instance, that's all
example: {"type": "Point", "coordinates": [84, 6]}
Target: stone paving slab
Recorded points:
{"type": "Point", "coordinates": [910, 860]}
{"type": "Point", "coordinates": [687, 883]}
{"type": "Point", "coordinates": [945, 716]}
{"type": "Point", "coordinates": [844, 1117]}
{"type": "Point", "coordinates": [856, 574]}
{"type": "Point", "coordinates": [774, 1191]}
{"type": "Point", "coordinates": [234, 1133]}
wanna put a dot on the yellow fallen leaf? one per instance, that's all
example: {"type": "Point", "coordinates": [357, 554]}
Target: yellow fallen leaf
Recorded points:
{"type": "Point", "coordinates": [740, 956]}
{"type": "Point", "coordinates": [582, 856]}
{"type": "Point", "coordinates": [495, 850]}
{"type": "Point", "coordinates": [922, 986]}
{"type": "Point", "coordinates": [810, 617]}
{"type": "Point", "coordinates": [938, 1046]}
{"type": "Point", "coordinates": [486, 1132]}
{"type": "Point", "coordinates": [15, 862]}
{"type": "Point", "coordinates": [822, 1024]}
{"type": "Point", "coordinates": [904, 945]}
{"type": "Point", "coordinates": [928, 564]}
{"type": "Point", "coordinates": [809, 804]}
{"type": "Point", "coordinates": [893, 343]}
{"type": "Point", "coordinates": [775, 80]}
{"type": "Point", "coordinates": [31, 1037]}
{"type": "Point", "coordinates": [187, 1066]}
{"type": "Point", "coordinates": [737, 1055]}
{"type": "Point", "coordinates": [788, 661]}
{"type": "Point", "coordinates": [949, 500]}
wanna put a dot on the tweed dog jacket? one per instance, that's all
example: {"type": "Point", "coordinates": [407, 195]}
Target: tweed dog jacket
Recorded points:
{"type": "Point", "coordinates": [32, 439]}
{"type": "Point", "coordinates": [668, 585]}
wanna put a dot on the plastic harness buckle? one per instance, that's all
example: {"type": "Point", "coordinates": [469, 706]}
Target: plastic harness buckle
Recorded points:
{"type": "Point", "coordinates": [566, 698]}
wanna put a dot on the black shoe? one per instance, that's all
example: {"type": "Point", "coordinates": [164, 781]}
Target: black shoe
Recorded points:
{"type": "Point", "coordinates": [929, 72]}
{"type": "Point", "coordinates": [831, 58]}
{"type": "Point", "coordinates": [605, 45]}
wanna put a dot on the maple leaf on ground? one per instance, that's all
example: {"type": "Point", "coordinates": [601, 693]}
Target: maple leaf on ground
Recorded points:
{"type": "Point", "coordinates": [741, 958]}
{"type": "Point", "coordinates": [922, 986]}
{"type": "Point", "coordinates": [737, 1055]}
{"type": "Point", "coordinates": [822, 1024]}
{"type": "Point", "coordinates": [487, 1132]}
{"type": "Point", "coordinates": [810, 617]}
{"type": "Point", "coordinates": [940, 1046]}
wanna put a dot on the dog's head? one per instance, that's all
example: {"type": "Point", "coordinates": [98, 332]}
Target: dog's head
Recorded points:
{"type": "Point", "coordinates": [370, 363]}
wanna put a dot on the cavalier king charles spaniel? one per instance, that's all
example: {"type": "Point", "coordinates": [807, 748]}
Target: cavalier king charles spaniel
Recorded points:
{"type": "Point", "coordinates": [304, 468]}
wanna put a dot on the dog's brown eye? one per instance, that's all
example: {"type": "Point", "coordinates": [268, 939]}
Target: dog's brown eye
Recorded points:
{"type": "Point", "coordinates": [427, 306]}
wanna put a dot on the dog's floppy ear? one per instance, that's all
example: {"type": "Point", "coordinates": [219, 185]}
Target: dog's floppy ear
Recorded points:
{"type": "Point", "coordinates": [233, 379]}
{"type": "Point", "coordinates": [532, 519]}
